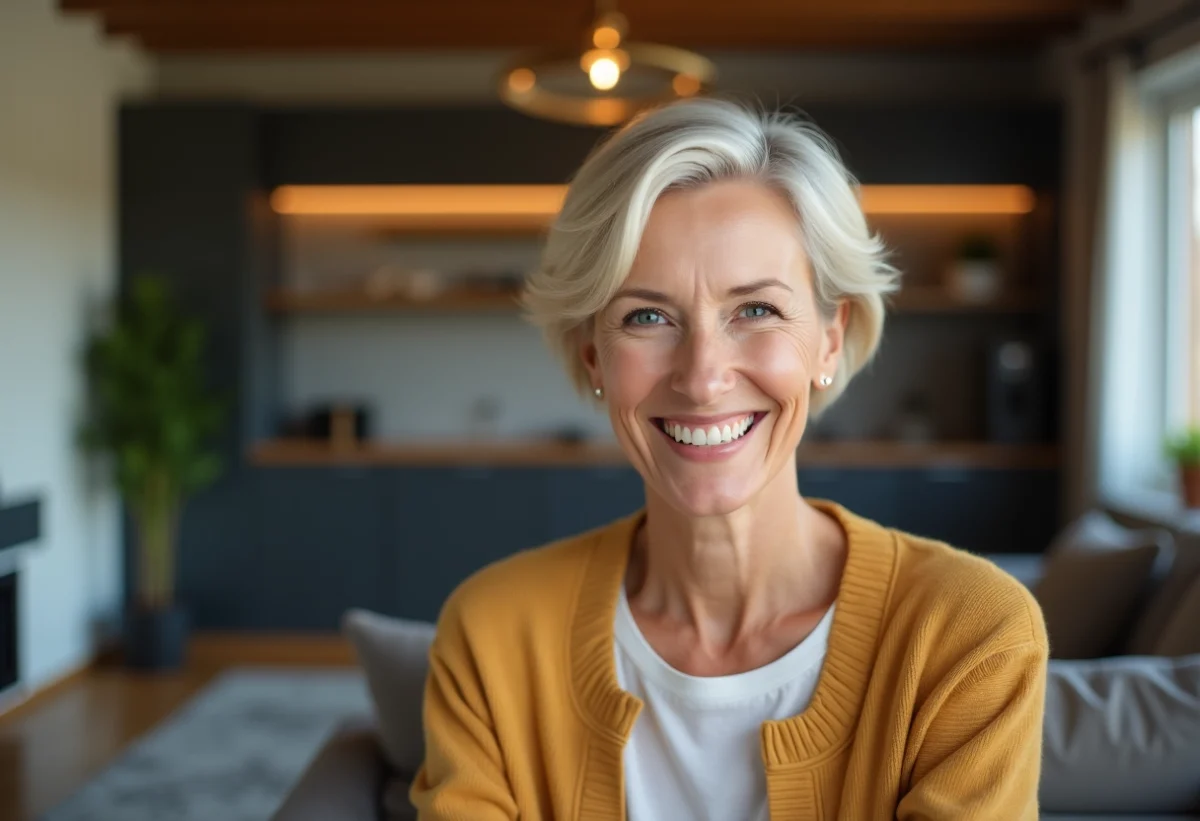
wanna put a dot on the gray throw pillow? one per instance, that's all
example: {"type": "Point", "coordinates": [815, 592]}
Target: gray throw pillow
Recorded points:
{"type": "Point", "coordinates": [1147, 636]}
{"type": "Point", "coordinates": [1181, 636]}
{"type": "Point", "coordinates": [1096, 576]}
{"type": "Point", "coordinates": [394, 656]}
{"type": "Point", "coordinates": [396, 804]}
{"type": "Point", "coordinates": [1122, 735]}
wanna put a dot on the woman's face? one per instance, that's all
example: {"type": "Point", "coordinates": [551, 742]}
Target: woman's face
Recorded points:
{"type": "Point", "coordinates": [708, 352]}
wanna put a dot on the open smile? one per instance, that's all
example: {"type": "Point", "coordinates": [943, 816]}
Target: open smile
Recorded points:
{"type": "Point", "coordinates": [708, 437]}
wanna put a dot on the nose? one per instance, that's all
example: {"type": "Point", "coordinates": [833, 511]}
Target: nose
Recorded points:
{"type": "Point", "coordinates": [704, 369]}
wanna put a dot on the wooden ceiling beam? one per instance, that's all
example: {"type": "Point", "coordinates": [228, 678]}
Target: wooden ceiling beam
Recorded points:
{"type": "Point", "coordinates": [932, 11]}
{"type": "Point", "coordinates": [921, 9]}
{"type": "Point", "coordinates": [342, 38]}
{"type": "Point", "coordinates": [327, 25]}
{"type": "Point", "coordinates": [129, 14]}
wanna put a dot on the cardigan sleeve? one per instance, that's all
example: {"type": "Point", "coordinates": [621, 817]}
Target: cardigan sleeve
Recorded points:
{"type": "Point", "coordinates": [462, 777]}
{"type": "Point", "coordinates": [980, 742]}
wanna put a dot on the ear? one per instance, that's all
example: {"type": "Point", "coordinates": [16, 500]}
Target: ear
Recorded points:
{"type": "Point", "coordinates": [833, 336]}
{"type": "Point", "coordinates": [589, 354]}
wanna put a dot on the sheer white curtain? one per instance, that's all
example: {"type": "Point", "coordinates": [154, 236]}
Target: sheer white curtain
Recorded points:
{"type": "Point", "coordinates": [1129, 299]}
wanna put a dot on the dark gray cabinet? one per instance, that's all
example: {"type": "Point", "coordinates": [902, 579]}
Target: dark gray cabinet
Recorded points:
{"type": "Point", "coordinates": [865, 492]}
{"type": "Point", "coordinates": [977, 509]}
{"type": "Point", "coordinates": [293, 548]}
{"type": "Point", "coordinates": [320, 532]}
{"type": "Point", "coordinates": [446, 523]}
{"type": "Point", "coordinates": [579, 499]}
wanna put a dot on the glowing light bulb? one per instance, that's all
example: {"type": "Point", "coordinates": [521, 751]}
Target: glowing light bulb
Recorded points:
{"type": "Point", "coordinates": [606, 36]}
{"type": "Point", "coordinates": [604, 73]}
{"type": "Point", "coordinates": [521, 80]}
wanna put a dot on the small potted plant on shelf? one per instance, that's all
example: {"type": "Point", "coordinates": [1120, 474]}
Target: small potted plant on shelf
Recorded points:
{"type": "Point", "coordinates": [1184, 450]}
{"type": "Point", "coordinates": [974, 275]}
{"type": "Point", "coordinates": [151, 414]}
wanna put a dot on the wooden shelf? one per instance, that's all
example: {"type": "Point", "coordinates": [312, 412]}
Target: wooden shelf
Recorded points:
{"type": "Point", "coordinates": [358, 301]}
{"type": "Point", "coordinates": [863, 454]}
{"type": "Point", "coordinates": [296, 452]}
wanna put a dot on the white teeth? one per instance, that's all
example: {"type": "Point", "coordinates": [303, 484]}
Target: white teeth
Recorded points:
{"type": "Point", "coordinates": [705, 437]}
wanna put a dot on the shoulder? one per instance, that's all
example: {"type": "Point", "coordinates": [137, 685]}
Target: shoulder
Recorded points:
{"type": "Point", "coordinates": [965, 598]}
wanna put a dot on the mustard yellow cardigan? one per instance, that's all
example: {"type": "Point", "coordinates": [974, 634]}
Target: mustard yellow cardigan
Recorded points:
{"type": "Point", "coordinates": [929, 703]}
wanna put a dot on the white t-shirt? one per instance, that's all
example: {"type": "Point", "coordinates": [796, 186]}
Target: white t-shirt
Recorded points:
{"type": "Point", "coordinates": [695, 751]}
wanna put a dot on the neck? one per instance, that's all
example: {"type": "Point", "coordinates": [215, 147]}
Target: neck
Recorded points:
{"type": "Point", "coordinates": [730, 575]}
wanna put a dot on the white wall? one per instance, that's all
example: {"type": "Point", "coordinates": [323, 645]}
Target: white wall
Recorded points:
{"type": "Point", "coordinates": [59, 87]}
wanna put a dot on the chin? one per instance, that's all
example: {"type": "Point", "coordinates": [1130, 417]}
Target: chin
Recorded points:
{"type": "Point", "coordinates": [710, 496]}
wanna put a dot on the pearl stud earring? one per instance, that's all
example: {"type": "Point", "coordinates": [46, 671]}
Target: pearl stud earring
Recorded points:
{"type": "Point", "coordinates": [599, 393]}
{"type": "Point", "coordinates": [826, 381]}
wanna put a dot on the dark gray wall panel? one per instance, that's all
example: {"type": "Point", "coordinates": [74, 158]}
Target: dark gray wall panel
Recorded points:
{"type": "Point", "coordinates": [412, 145]}
{"type": "Point", "coordinates": [221, 576]}
{"type": "Point", "coordinates": [906, 143]}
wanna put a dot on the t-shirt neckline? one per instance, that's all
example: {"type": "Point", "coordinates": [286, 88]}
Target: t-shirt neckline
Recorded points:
{"type": "Point", "coordinates": [715, 691]}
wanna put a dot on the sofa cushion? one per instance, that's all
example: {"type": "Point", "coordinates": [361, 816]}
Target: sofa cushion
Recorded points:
{"type": "Point", "coordinates": [1166, 601]}
{"type": "Point", "coordinates": [1181, 636]}
{"type": "Point", "coordinates": [1095, 576]}
{"type": "Point", "coordinates": [397, 806]}
{"type": "Point", "coordinates": [394, 656]}
{"type": "Point", "coordinates": [1122, 735]}
{"type": "Point", "coordinates": [1027, 568]}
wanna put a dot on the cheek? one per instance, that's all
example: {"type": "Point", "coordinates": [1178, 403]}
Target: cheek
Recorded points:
{"type": "Point", "coordinates": [781, 364]}
{"type": "Point", "coordinates": [633, 367]}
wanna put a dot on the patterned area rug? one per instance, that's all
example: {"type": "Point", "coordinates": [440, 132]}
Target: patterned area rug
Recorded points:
{"type": "Point", "coordinates": [232, 753]}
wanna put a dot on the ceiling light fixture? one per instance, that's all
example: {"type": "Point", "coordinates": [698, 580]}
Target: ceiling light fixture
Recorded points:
{"type": "Point", "coordinates": [608, 81]}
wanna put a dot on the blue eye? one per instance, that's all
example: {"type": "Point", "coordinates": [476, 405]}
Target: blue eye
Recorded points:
{"type": "Point", "coordinates": [646, 316]}
{"type": "Point", "coordinates": [757, 311]}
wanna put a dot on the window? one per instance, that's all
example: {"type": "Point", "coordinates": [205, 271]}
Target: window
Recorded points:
{"type": "Point", "coordinates": [1182, 262]}
{"type": "Point", "coordinates": [1148, 324]}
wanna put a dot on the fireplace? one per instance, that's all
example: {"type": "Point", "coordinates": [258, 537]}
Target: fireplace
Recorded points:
{"type": "Point", "coordinates": [8, 630]}
{"type": "Point", "coordinates": [20, 524]}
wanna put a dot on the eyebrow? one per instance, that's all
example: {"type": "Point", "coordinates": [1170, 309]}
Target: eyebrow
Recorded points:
{"type": "Point", "coordinates": [643, 293]}
{"type": "Point", "coordinates": [739, 290]}
{"type": "Point", "coordinates": [758, 285]}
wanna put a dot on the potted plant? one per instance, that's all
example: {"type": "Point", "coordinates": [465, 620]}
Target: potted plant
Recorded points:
{"type": "Point", "coordinates": [974, 276]}
{"type": "Point", "coordinates": [150, 413]}
{"type": "Point", "coordinates": [1184, 450]}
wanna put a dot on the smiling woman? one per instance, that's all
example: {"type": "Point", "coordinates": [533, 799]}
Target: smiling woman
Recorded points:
{"type": "Point", "coordinates": [732, 650]}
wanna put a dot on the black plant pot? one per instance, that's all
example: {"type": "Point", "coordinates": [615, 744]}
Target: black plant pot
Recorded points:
{"type": "Point", "coordinates": [156, 639]}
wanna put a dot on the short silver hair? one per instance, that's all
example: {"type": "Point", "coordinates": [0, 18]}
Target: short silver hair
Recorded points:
{"type": "Point", "coordinates": [594, 239]}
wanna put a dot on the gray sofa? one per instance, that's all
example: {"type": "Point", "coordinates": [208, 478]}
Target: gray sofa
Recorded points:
{"type": "Point", "coordinates": [1122, 732]}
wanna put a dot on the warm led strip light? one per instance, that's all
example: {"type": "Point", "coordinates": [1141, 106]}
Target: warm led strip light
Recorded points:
{"type": "Point", "coordinates": [947, 199]}
{"type": "Point", "coordinates": [543, 201]}
{"type": "Point", "coordinates": [420, 200]}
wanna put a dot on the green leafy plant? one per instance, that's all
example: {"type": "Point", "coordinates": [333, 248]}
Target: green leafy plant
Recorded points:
{"type": "Point", "coordinates": [149, 410]}
{"type": "Point", "coordinates": [1184, 448]}
{"type": "Point", "coordinates": [977, 248]}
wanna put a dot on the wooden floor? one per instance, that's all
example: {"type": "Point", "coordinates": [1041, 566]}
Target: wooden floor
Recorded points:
{"type": "Point", "coordinates": [55, 743]}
